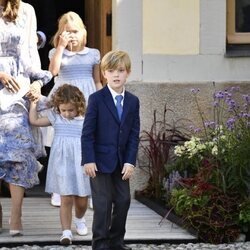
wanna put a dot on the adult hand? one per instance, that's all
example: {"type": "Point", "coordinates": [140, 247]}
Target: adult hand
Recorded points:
{"type": "Point", "coordinates": [9, 82]}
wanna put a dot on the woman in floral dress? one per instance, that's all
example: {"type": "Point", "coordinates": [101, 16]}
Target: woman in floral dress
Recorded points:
{"type": "Point", "coordinates": [20, 69]}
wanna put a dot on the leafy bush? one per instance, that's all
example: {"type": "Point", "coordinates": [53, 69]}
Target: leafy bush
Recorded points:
{"type": "Point", "coordinates": [214, 198]}
{"type": "Point", "coordinates": [244, 215]}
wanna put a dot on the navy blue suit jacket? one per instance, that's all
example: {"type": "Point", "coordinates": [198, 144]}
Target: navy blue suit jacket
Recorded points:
{"type": "Point", "coordinates": [107, 141]}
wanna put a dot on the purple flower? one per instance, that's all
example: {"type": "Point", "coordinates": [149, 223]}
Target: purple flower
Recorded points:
{"type": "Point", "coordinates": [246, 98]}
{"type": "Point", "coordinates": [230, 123]}
{"type": "Point", "coordinates": [195, 91]}
{"type": "Point", "coordinates": [227, 94]}
{"type": "Point", "coordinates": [219, 95]}
{"type": "Point", "coordinates": [194, 129]}
{"type": "Point", "coordinates": [197, 130]}
{"type": "Point", "coordinates": [210, 124]}
{"type": "Point", "coordinates": [235, 89]}
{"type": "Point", "coordinates": [231, 103]}
{"type": "Point", "coordinates": [216, 104]}
{"type": "Point", "coordinates": [245, 115]}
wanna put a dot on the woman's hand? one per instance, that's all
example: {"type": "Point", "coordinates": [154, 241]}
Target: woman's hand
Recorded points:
{"type": "Point", "coordinates": [9, 82]}
{"type": "Point", "coordinates": [35, 92]}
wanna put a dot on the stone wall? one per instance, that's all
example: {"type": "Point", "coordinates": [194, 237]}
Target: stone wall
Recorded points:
{"type": "Point", "coordinates": [177, 97]}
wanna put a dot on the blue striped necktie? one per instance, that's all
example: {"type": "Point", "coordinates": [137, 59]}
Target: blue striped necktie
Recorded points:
{"type": "Point", "coordinates": [119, 105]}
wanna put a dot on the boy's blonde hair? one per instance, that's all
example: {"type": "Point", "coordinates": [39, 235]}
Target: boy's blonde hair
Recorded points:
{"type": "Point", "coordinates": [65, 19]}
{"type": "Point", "coordinates": [114, 58]}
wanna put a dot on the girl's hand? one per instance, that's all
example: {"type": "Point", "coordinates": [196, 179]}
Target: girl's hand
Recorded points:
{"type": "Point", "coordinates": [35, 92]}
{"type": "Point", "coordinates": [64, 39]}
{"type": "Point", "coordinates": [9, 83]}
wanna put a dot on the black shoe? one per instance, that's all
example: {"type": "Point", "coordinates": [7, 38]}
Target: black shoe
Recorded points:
{"type": "Point", "coordinates": [122, 247]}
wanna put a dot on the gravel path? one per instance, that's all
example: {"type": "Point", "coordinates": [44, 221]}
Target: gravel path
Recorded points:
{"type": "Point", "coordinates": [189, 246]}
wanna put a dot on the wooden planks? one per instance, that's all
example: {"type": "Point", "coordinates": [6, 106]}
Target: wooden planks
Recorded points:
{"type": "Point", "coordinates": [41, 223]}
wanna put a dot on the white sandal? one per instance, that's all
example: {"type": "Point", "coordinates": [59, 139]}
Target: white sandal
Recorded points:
{"type": "Point", "coordinates": [15, 233]}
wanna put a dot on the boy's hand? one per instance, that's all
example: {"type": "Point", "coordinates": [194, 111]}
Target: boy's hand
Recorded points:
{"type": "Point", "coordinates": [127, 171]}
{"type": "Point", "coordinates": [90, 169]}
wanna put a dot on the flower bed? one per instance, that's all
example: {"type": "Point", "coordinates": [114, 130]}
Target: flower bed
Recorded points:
{"type": "Point", "coordinates": [214, 197]}
{"type": "Point", "coordinates": [208, 184]}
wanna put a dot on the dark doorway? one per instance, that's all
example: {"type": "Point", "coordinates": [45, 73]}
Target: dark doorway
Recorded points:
{"type": "Point", "coordinates": [96, 15]}
{"type": "Point", "coordinates": [47, 14]}
{"type": "Point", "coordinates": [70, 5]}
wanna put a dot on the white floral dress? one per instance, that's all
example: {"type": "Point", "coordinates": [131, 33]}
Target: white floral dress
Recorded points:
{"type": "Point", "coordinates": [19, 58]}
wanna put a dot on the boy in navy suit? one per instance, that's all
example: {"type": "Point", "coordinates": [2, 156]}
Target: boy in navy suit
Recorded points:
{"type": "Point", "coordinates": [110, 141]}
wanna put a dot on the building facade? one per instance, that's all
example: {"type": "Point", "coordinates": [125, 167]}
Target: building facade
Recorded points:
{"type": "Point", "coordinates": [177, 45]}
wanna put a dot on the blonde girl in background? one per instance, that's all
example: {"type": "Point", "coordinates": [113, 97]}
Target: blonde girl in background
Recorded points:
{"type": "Point", "coordinates": [70, 60]}
{"type": "Point", "coordinates": [73, 62]}
{"type": "Point", "coordinates": [65, 175]}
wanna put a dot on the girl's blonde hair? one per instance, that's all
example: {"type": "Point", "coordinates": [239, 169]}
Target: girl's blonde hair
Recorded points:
{"type": "Point", "coordinates": [65, 19]}
{"type": "Point", "coordinates": [114, 58]}
{"type": "Point", "coordinates": [68, 94]}
{"type": "Point", "coordinates": [10, 10]}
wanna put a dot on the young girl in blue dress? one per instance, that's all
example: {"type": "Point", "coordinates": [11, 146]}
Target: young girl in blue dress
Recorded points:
{"type": "Point", "coordinates": [73, 62]}
{"type": "Point", "coordinates": [65, 175]}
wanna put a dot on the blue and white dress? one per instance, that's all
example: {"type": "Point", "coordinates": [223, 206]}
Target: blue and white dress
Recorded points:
{"type": "Point", "coordinates": [76, 69]}
{"type": "Point", "coordinates": [19, 58]}
{"type": "Point", "coordinates": [65, 175]}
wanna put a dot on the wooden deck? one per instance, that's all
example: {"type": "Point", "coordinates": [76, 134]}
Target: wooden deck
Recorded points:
{"type": "Point", "coordinates": [41, 225]}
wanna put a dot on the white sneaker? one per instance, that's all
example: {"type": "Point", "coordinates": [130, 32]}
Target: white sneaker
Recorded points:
{"type": "Point", "coordinates": [66, 238]}
{"type": "Point", "coordinates": [81, 227]}
{"type": "Point", "coordinates": [55, 200]}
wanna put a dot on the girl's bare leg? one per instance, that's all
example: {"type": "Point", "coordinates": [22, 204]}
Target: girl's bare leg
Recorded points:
{"type": "Point", "coordinates": [66, 211]}
{"type": "Point", "coordinates": [81, 205]}
{"type": "Point", "coordinates": [17, 194]}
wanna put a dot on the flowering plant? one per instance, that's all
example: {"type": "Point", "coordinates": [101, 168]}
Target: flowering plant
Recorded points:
{"type": "Point", "coordinates": [156, 146]}
{"type": "Point", "coordinates": [223, 142]}
{"type": "Point", "coordinates": [215, 195]}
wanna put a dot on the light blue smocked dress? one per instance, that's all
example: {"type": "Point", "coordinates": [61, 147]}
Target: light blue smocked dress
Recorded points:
{"type": "Point", "coordinates": [65, 174]}
{"type": "Point", "coordinates": [19, 58]}
{"type": "Point", "coordinates": [76, 69]}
